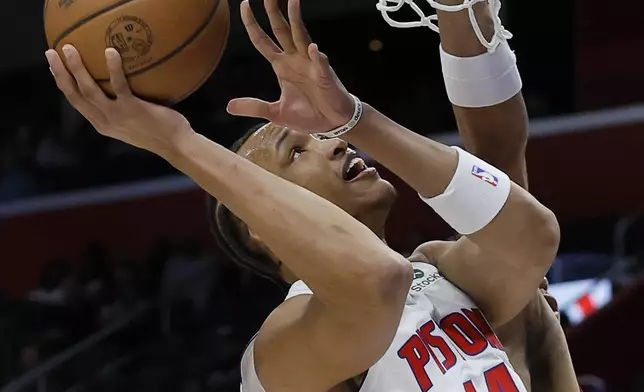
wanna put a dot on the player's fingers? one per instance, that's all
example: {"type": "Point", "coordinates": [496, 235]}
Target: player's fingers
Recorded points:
{"type": "Point", "coordinates": [117, 76]}
{"type": "Point", "coordinates": [321, 61]}
{"type": "Point", "coordinates": [280, 26]}
{"type": "Point", "coordinates": [67, 85]}
{"type": "Point", "coordinates": [301, 36]}
{"type": "Point", "coordinates": [262, 42]}
{"type": "Point", "coordinates": [65, 82]}
{"type": "Point", "coordinates": [250, 107]}
{"type": "Point", "coordinates": [86, 84]}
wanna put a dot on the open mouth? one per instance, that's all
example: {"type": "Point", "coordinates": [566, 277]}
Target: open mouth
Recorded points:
{"type": "Point", "coordinates": [353, 168]}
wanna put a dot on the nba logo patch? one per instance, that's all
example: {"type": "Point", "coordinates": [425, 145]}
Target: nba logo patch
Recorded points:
{"type": "Point", "coordinates": [484, 175]}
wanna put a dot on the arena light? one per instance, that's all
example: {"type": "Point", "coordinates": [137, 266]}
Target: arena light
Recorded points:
{"type": "Point", "coordinates": [579, 299]}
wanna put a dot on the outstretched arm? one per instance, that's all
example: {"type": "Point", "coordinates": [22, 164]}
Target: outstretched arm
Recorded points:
{"type": "Point", "coordinates": [498, 133]}
{"type": "Point", "coordinates": [359, 283]}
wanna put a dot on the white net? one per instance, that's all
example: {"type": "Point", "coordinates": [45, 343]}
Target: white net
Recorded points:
{"type": "Point", "coordinates": [500, 33]}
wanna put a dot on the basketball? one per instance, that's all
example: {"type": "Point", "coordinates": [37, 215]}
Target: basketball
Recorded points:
{"type": "Point", "coordinates": [169, 47]}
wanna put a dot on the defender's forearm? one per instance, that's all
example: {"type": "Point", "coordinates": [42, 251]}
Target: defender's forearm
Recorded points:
{"type": "Point", "coordinates": [457, 35]}
{"type": "Point", "coordinates": [331, 251]}
{"type": "Point", "coordinates": [428, 167]}
{"type": "Point", "coordinates": [497, 134]}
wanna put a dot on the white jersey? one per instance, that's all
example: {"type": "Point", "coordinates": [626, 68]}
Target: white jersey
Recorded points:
{"type": "Point", "coordinates": [443, 343]}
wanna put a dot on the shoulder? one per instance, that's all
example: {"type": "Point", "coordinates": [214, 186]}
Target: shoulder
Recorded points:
{"type": "Point", "coordinates": [249, 380]}
{"type": "Point", "coordinates": [274, 333]}
{"type": "Point", "coordinates": [281, 318]}
{"type": "Point", "coordinates": [280, 321]}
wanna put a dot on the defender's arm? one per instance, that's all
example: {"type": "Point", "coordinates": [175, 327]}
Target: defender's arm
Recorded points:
{"type": "Point", "coordinates": [497, 133]}
{"type": "Point", "coordinates": [517, 247]}
{"type": "Point", "coordinates": [513, 251]}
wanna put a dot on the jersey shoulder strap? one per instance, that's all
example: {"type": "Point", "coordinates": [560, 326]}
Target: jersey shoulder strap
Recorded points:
{"type": "Point", "coordinates": [249, 379]}
{"type": "Point", "coordinates": [298, 288]}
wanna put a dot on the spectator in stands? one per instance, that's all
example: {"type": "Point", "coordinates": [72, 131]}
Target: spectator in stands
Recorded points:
{"type": "Point", "coordinates": [16, 176]}
{"type": "Point", "coordinates": [53, 154]}
{"type": "Point", "coordinates": [186, 283]}
{"type": "Point", "coordinates": [54, 286]}
{"type": "Point", "coordinates": [155, 265]}
{"type": "Point", "coordinates": [125, 292]}
{"type": "Point", "coordinates": [95, 274]}
{"type": "Point", "coordinates": [29, 357]}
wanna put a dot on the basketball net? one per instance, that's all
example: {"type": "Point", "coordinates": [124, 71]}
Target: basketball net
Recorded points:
{"type": "Point", "coordinates": [500, 33]}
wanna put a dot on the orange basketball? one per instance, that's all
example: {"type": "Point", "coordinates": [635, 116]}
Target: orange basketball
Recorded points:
{"type": "Point", "coordinates": [169, 47]}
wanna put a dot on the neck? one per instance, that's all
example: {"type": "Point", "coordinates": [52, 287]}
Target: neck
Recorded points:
{"type": "Point", "coordinates": [375, 221]}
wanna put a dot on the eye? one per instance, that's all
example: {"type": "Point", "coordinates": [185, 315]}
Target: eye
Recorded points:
{"type": "Point", "coordinates": [296, 153]}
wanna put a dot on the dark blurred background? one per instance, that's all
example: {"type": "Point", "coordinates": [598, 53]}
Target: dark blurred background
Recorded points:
{"type": "Point", "coordinates": [109, 279]}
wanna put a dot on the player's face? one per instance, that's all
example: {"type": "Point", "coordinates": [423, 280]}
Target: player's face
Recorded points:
{"type": "Point", "coordinates": [326, 167]}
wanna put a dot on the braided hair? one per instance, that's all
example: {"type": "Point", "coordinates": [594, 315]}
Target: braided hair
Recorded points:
{"type": "Point", "coordinates": [232, 235]}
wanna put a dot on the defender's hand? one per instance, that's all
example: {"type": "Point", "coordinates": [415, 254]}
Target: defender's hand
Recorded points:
{"type": "Point", "coordinates": [552, 302]}
{"type": "Point", "coordinates": [126, 118]}
{"type": "Point", "coordinates": [312, 98]}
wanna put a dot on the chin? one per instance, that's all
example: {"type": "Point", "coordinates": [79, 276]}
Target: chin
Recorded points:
{"type": "Point", "coordinates": [382, 194]}
{"type": "Point", "coordinates": [374, 205]}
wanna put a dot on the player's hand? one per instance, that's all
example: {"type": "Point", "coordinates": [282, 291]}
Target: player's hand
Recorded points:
{"type": "Point", "coordinates": [312, 98]}
{"type": "Point", "coordinates": [126, 118]}
{"type": "Point", "coordinates": [552, 302]}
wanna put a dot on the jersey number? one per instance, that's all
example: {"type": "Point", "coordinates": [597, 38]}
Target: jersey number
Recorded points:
{"type": "Point", "coordinates": [497, 379]}
{"type": "Point", "coordinates": [471, 333]}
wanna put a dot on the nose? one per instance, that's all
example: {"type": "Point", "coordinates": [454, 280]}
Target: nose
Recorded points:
{"type": "Point", "coordinates": [335, 148]}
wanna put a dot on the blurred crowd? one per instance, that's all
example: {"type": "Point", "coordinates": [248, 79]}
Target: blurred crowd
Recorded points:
{"type": "Point", "coordinates": [191, 317]}
{"type": "Point", "coordinates": [47, 147]}
{"type": "Point", "coordinates": [180, 319]}
{"type": "Point", "coordinates": [36, 161]}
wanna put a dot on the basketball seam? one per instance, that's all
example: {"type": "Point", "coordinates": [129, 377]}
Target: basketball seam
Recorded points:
{"type": "Point", "coordinates": [176, 50]}
{"type": "Point", "coordinates": [86, 19]}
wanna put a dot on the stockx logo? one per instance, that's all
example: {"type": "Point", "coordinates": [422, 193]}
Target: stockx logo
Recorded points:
{"type": "Point", "coordinates": [418, 274]}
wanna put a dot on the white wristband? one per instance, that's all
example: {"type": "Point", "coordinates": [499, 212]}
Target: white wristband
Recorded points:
{"type": "Point", "coordinates": [357, 115]}
{"type": "Point", "coordinates": [476, 194]}
{"type": "Point", "coordinates": [481, 81]}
